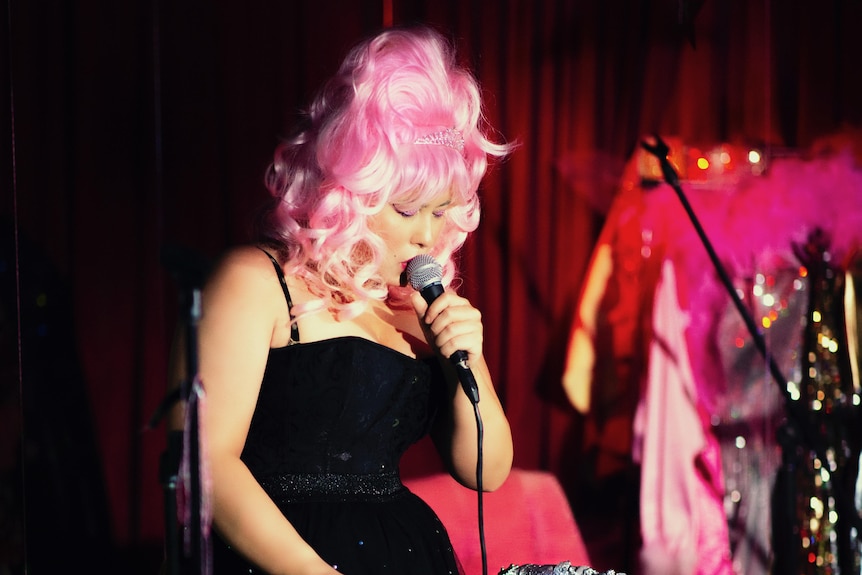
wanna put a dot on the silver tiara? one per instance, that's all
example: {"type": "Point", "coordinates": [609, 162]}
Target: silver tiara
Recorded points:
{"type": "Point", "coordinates": [450, 137]}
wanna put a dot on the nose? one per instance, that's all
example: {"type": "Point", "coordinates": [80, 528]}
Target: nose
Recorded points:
{"type": "Point", "coordinates": [423, 230]}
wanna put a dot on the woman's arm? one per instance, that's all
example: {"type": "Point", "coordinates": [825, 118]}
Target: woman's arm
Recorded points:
{"type": "Point", "coordinates": [451, 323]}
{"type": "Point", "coordinates": [243, 307]}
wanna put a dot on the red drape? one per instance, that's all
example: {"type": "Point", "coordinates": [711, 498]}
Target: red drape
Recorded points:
{"type": "Point", "coordinates": [129, 126]}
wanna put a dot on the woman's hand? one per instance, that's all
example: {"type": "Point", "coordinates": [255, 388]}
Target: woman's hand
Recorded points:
{"type": "Point", "coordinates": [450, 324]}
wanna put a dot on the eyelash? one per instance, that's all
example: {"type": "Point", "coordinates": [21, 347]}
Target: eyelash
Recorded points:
{"type": "Point", "coordinates": [409, 214]}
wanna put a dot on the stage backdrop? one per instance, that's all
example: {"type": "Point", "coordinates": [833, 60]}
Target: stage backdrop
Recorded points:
{"type": "Point", "coordinates": [131, 126]}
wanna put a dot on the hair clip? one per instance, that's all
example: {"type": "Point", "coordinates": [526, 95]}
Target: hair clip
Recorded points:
{"type": "Point", "coordinates": [450, 137]}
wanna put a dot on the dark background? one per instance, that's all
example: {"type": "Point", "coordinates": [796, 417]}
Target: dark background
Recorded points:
{"type": "Point", "coordinates": [128, 126]}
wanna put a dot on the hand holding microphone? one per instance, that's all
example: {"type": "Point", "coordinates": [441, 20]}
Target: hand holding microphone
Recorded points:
{"type": "Point", "coordinates": [425, 275]}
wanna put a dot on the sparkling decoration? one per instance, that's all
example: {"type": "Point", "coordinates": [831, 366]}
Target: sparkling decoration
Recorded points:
{"type": "Point", "coordinates": [751, 406]}
{"type": "Point", "coordinates": [450, 137]}
{"type": "Point", "coordinates": [564, 568]}
{"type": "Point", "coordinates": [286, 488]}
{"type": "Point", "coordinates": [826, 540]}
{"type": "Point", "coordinates": [696, 165]}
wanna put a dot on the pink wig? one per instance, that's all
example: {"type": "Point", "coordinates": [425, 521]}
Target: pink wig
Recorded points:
{"type": "Point", "coordinates": [357, 152]}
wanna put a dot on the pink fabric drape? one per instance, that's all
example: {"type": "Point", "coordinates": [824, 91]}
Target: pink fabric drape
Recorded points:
{"type": "Point", "coordinates": [683, 524]}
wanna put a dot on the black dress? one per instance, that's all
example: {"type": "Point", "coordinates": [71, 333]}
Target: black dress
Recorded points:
{"type": "Point", "coordinates": [332, 421]}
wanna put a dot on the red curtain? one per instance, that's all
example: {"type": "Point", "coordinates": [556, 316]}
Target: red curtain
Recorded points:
{"type": "Point", "coordinates": [133, 126]}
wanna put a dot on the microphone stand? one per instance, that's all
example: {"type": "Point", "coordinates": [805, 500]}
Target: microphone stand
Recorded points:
{"type": "Point", "coordinates": [796, 430]}
{"type": "Point", "coordinates": [183, 446]}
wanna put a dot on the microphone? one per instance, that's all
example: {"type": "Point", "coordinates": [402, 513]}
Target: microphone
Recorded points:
{"type": "Point", "coordinates": [425, 275]}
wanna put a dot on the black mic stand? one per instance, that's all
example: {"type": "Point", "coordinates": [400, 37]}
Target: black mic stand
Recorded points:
{"type": "Point", "coordinates": [184, 444]}
{"type": "Point", "coordinates": [796, 430]}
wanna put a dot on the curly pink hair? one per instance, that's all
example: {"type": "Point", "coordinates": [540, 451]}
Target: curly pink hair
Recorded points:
{"type": "Point", "coordinates": [356, 153]}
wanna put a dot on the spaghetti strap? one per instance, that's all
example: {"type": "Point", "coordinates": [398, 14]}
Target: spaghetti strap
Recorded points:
{"type": "Point", "coordinates": [294, 329]}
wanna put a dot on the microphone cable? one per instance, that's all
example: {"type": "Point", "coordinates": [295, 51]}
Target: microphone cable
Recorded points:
{"type": "Point", "coordinates": [480, 432]}
{"type": "Point", "coordinates": [425, 275]}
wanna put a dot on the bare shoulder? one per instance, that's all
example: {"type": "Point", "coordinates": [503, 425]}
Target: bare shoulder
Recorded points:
{"type": "Point", "coordinates": [245, 277]}
{"type": "Point", "coordinates": [243, 263]}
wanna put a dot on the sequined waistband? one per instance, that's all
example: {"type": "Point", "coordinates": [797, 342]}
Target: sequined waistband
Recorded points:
{"type": "Point", "coordinates": [292, 487]}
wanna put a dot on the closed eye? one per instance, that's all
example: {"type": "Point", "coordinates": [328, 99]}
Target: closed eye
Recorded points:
{"type": "Point", "coordinates": [405, 213]}
{"type": "Point", "coordinates": [409, 213]}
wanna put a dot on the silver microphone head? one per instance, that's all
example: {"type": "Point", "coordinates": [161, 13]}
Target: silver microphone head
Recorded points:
{"type": "Point", "coordinates": [423, 270]}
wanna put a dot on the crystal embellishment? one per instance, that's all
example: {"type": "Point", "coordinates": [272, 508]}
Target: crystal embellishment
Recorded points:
{"type": "Point", "coordinates": [450, 137]}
